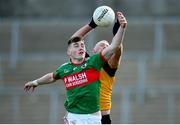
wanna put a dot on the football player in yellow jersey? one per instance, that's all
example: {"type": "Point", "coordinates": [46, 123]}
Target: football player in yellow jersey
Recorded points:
{"type": "Point", "coordinates": [107, 76]}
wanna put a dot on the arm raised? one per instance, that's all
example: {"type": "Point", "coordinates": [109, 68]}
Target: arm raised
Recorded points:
{"type": "Point", "coordinates": [117, 39]}
{"type": "Point", "coordinates": [83, 31]}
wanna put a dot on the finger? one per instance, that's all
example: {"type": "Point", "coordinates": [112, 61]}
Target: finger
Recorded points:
{"type": "Point", "coordinates": [119, 13]}
{"type": "Point", "coordinates": [122, 17]}
{"type": "Point", "coordinates": [29, 87]}
{"type": "Point", "coordinates": [33, 89]}
{"type": "Point", "coordinates": [26, 88]}
{"type": "Point", "coordinates": [122, 21]}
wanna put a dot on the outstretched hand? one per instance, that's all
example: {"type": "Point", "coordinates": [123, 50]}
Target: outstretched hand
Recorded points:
{"type": "Point", "coordinates": [122, 20]}
{"type": "Point", "coordinates": [30, 85]}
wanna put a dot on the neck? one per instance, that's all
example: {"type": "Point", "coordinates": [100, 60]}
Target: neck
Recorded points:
{"type": "Point", "coordinates": [77, 61]}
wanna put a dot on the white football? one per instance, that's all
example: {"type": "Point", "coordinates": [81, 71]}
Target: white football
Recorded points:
{"type": "Point", "coordinates": [104, 16]}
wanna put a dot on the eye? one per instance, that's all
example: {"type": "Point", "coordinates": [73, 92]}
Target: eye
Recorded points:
{"type": "Point", "coordinates": [75, 45]}
{"type": "Point", "coordinates": [82, 45]}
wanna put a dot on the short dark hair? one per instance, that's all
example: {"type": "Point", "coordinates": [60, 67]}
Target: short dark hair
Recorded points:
{"type": "Point", "coordinates": [75, 39]}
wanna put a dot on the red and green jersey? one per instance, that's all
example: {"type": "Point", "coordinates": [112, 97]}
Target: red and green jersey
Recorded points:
{"type": "Point", "coordinates": [82, 84]}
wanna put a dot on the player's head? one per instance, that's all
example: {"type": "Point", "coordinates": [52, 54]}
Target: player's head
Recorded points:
{"type": "Point", "coordinates": [100, 46]}
{"type": "Point", "coordinates": [76, 48]}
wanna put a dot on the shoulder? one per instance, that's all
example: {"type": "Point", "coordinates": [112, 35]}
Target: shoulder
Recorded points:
{"type": "Point", "coordinates": [64, 65]}
{"type": "Point", "coordinates": [62, 70]}
{"type": "Point", "coordinates": [96, 55]}
{"type": "Point", "coordinates": [110, 71]}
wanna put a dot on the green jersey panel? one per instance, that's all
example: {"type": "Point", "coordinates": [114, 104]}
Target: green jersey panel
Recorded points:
{"type": "Point", "coordinates": [82, 84]}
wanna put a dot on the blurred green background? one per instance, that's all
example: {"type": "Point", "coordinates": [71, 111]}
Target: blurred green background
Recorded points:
{"type": "Point", "coordinates": [33, 42]}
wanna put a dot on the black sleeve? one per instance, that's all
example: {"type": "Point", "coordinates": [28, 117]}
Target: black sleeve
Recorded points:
{"type": "Point", "coordinates": [110, 71]}
{"type": "Point", "coordinates": [116, 27]}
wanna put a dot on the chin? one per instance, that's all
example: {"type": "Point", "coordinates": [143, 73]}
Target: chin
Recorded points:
{"type": "Point", "coordinates": [80, 58]}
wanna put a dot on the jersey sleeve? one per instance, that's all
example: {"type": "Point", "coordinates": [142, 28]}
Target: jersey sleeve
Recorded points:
{"type": "Point", "coordinates": [110, 71]}
{"type": "Point", "coordinates": [97, 60]}
{"type": "Point", "coordinates": [56, 73]}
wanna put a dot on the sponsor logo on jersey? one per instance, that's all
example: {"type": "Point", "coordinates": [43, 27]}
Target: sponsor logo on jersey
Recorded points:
{"type": "Point", "coordinates": [81, 78]}
{"type": "Point", "coordinates": [74, 68]}
{"type": "Point", "coordinates": [66, 71]}
{"type": "Point", "coordinates": [84, 66]}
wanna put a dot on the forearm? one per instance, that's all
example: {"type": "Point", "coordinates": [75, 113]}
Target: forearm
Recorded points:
{"type": "Point", "coordinates": [46, 79]}
{"type": "Point", "coordinates": [116, 43]}
{"type": "Point", "coordinates": [115, 59]}
{"type": "Point", "coordinates": [82, 32]}
{"type": "Point", "coordinates": [119, 30]}
{"type": "Point", "coordinates": [118, 38]}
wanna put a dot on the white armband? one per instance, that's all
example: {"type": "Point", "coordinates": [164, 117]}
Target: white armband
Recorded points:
{"type": "Point", "coordinates": [35, 83]}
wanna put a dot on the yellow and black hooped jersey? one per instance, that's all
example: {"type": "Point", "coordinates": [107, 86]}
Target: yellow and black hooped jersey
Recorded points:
{"type": "Point", "coordinates": [107, 79]}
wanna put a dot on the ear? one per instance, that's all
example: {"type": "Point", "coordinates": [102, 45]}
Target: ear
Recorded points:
{"type": "Point", "coordinates": [93, 50]}
{"type": "Point", "coordinates": [69, 51]}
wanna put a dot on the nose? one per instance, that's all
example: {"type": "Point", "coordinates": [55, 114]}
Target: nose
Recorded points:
{"type": "Point", "coordinates": [81, 49]}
